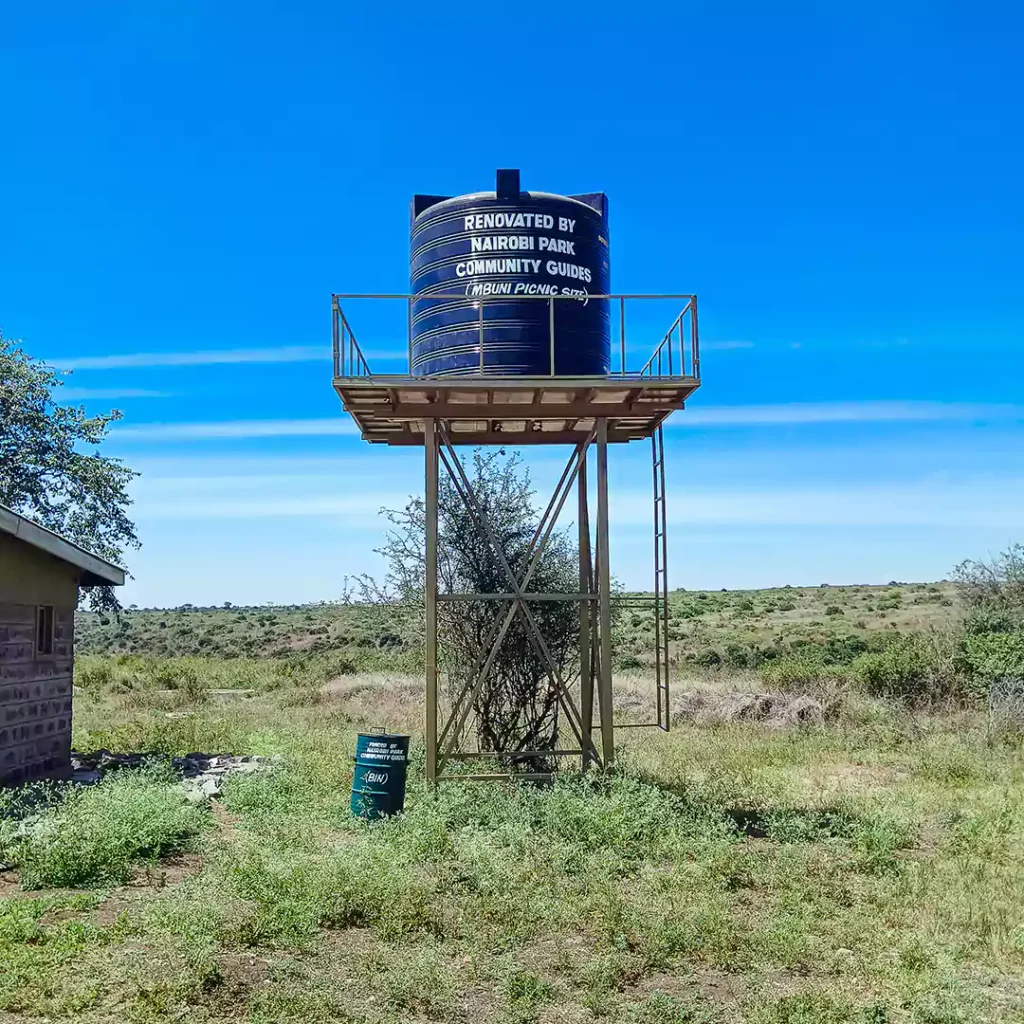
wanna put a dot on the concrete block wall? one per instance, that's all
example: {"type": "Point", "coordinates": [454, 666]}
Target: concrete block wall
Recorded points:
{"type": "Point", "coordinates": [35, 696]}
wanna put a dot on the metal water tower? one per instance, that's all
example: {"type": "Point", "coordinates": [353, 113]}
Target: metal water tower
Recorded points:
{"type": "Point", "coordinates": [509, 328]}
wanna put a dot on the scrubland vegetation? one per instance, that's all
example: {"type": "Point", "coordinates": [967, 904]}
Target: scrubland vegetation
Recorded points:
{"type": "Point", "coordinates": [867, 867]}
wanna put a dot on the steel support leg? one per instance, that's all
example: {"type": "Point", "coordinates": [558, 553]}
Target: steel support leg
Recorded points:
{"type": "Point", "coordinates": [604, 588]}
{"type": "Point", "coordinates": [586, 614]}
{"type": "Point", "coordinates": [430, 597]}
{"type": "Point", "coordinates": [661, 609]}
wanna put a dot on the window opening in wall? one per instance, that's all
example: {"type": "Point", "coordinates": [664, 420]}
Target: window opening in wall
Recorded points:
{"type": "Point", "coordinates": [44, 629]}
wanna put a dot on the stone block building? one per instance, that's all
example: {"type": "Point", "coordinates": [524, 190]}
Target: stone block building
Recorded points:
{"type": "Point", "coordinates": [40, 573]}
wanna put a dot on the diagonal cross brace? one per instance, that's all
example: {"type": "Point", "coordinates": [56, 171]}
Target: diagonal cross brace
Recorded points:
{"type": "Point", "coordinates": [464, 488]}
{"type": "Point", "coordinates": [497, 632]}
{"type": "Point", "coordinates": [543, 533]}
{"type": "Point", "coordinates": [488, 647]}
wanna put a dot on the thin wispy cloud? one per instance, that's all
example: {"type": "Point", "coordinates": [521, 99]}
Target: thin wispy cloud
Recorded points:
{"type": "Point", "coordinates": [706, 416]}
{"type": "Point", "coordinates": [986, 501]}
{"type": "Point", "coordinates": [842, 412]}
{"type": "Point", "coordinates": [360, 476]}
{"type": "Point", "coordinates": [724, 346]}
{"type": "Point", "coordinates": [278, 354]}
{"type": "Point", "coordinates": [362, 509]}
{"type": "Point", "coordinates": [106, 394]}
{"type": "Point", "coordinates": [235, 429]}
{"type": "Point", "coordinates": [167, 466]}
{"type": "Point", "coordinates": [200, 357]}
{"type": "Point", "coordinates": [979, 502]}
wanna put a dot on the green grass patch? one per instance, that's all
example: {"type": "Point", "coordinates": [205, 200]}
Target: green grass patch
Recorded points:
{"type": "Point", "coordinates": [96, 835]}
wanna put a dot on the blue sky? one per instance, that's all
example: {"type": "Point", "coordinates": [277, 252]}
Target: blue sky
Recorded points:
{"type": "Point", "coordinates": [184, 184]}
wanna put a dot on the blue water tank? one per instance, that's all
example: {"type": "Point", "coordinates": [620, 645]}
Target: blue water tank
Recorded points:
{"type": "Point", "coordinates": [489, 251]}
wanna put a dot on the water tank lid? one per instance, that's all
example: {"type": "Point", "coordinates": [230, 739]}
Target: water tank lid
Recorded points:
{"type": "Point", "coordinates": [507, 186]}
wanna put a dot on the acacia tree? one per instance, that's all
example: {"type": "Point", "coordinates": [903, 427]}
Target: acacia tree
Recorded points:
{"type": "Point", "coordinates": [517, 709]}
{"type": "Point", "coordinates": [993, 591]}
{"type": "Point", "coordinates": [49, 473]}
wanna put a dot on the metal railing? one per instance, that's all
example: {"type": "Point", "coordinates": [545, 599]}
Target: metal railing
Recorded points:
{"type": "Point", "coordinates": [348, 357]}
{"type": "Point", "coordinates": [676, 355]}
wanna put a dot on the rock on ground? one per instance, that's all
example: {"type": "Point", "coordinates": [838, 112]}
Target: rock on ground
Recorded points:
{"type": "Point", "coordinates": [201, 774]}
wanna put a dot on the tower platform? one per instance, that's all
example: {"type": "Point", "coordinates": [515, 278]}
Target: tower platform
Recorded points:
{"type": "Point", "coordinates": [490, 408]}
{"type": "Point", "coordinates": [510, 410]}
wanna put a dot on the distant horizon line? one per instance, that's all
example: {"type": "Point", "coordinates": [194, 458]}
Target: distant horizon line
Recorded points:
{"type": "Point", "coordinates": [328, 603]}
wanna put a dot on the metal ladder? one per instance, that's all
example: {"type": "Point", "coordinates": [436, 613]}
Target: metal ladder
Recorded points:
{"type": "Point", "coordinates": [661, 610]}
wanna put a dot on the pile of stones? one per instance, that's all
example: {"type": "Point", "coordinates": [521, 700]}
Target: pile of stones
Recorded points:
{"type": "Point", "coordinates": [202, 775]}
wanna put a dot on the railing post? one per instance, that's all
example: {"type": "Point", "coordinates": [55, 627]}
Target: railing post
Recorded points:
{"type": "Point", "coordinates": [335, 341]}
{"type": "Point", "coordinates": [622, 334]}
{"type": "Point", "coordinates": [694, 343]}
{"type": "Point", "coordinates": [551, 331]}
{"type": "Point", "coordinates": [344, 325]}
{"type": "Point", "coordinates": [409, 318]}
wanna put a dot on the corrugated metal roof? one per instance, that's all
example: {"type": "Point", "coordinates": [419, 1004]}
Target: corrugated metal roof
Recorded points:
{"type": "Point", "coordinates": [96, 571]}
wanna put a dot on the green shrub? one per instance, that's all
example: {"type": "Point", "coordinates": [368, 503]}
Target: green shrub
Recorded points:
{"type": "Point", "coordinates": [95, 835]}
{"type": "Point", "coordinates": [993, 592]}
{"type": "Point", "coordinates": [335, 664]}
{"type": "Point", "coordinates": [688, 611]}
{"type": "Point", "coordinates": [95, 677]}
{"type": "Point", "coordinates": [740, 655]}
{"type": "Point", "coordinates": [842, 650]}
{"type": "Point", "coordinates": [801, 673]}
{"type": "Point", "coordinates": [833, 609]}
{"type": "Point", "coordinates": [709, 658]}
{"type": "Point", "coordinates": [832, 650]}
{"type": "Point", "coordinates": [992, 656]}
{"type": "Point", "coordinates": [191, 687]}
{"type": "Point", "coordinates": [912, 668]}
